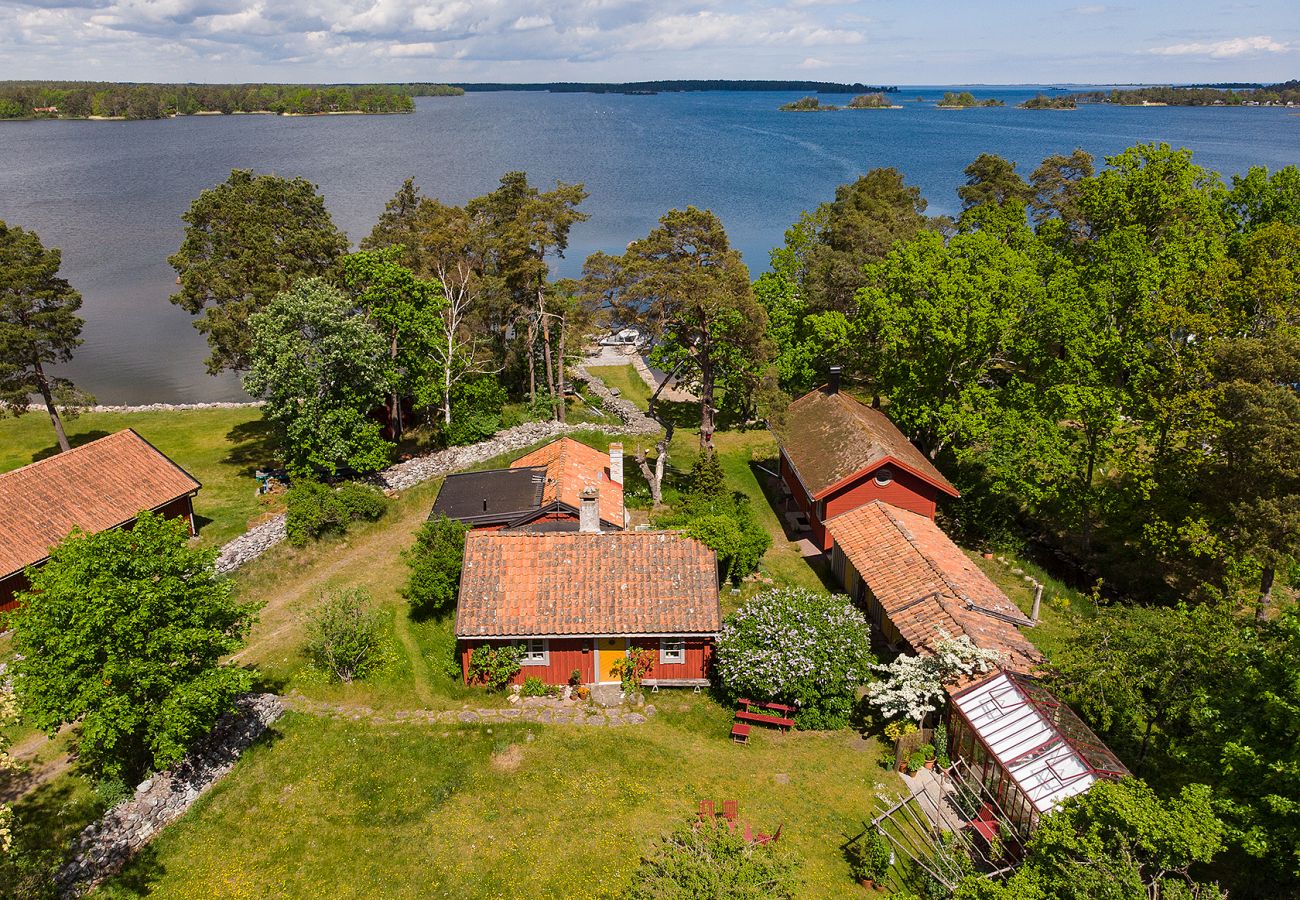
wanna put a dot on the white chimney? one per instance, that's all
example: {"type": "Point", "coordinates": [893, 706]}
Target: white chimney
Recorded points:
{"type": "Point", "coordinates": [616, 463]}
{"type": "Point", "coordinates": [589, 511]}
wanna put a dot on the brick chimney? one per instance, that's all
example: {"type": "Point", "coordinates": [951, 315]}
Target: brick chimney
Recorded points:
{"type": "Point", "coordinates": [616, 463]}
{"type": "Point", "coordinates": [589, 510]}
{"type": "Point", "coordinates": [833, 384]}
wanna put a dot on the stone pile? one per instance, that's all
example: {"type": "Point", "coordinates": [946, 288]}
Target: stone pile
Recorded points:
{"type": "Point", "coordinates": [104, 847]}
{"type": "Point", "coordinates": [173, 407]}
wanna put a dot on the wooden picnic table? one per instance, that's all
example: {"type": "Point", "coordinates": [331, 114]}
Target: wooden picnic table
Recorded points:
{"type": "Point", "coordinates": [764, 719]}
{"type": "Point", "coordinates": [775, 707]}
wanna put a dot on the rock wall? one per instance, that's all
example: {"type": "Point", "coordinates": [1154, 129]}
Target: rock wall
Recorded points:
{"type": "Point", "coordinates": [104, 847]}
{"type": "Point", "coordinates": [257, 540]}
{"type": "Point", "coordinates": [173, 407]}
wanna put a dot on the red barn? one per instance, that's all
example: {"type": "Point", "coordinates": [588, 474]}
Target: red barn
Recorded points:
{"type": "Point", "coordinates": [838, 454]}
{"type": "Point", "coordinates": [579, 600]}
{"type": "Point", "coordinates": [100, 485]}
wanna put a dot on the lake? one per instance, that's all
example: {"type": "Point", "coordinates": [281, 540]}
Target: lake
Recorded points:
{"type": "Point", "coordinates": [111, 194]}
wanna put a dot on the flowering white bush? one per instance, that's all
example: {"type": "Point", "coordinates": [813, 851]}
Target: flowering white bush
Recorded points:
{"type": "Point", "coordinates": [913, 685]}
{"type": "Point", "coordinates": [799, 647]}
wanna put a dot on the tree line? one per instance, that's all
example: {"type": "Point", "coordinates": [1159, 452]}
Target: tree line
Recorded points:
{"type": "Point", "coordinates": [82, 99]}
{"type": "Point", "coordinates": [1283, 93]}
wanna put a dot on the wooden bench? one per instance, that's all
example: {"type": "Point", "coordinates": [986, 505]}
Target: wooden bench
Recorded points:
{"type": "Point", "coordinates": [740, 733]}
{"type": "Point", "coordinates": [656, 683]}
{"type": "Point", "coordinates": [762, 719]}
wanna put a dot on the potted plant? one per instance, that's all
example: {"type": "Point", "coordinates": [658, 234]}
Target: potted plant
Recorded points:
{"type": "Point", "coordinates": [869, 859]}
{"type": "Point", "coordinates": [928, 752]}
{"type": "Point", "coordinates": [941, 746]}
{"type": "Point", "coordinates": [575, 678]}
{"type": "Point", "coordinates": [916, 762]}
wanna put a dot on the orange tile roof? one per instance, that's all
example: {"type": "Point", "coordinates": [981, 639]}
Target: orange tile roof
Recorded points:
{"type": "Point", "coordinates": [830, 437]}
{"type": "Point", "coordinates": [927, 586]}
{"type": "Point", "coordinates": [525, 584]}
{"type": "Point", "coordinates": [571, 466]}
{"type": "Point", "coordinates": [96, 486]}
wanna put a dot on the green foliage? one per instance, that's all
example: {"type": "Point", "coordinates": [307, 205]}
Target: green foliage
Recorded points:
{"type": "Point", "coordinates": [708, 483]}
{"type": "Point", "coordinates": [992, 179]}
{"type": "Point", "coordinates": [1115, 842]}
{"type": "Point", "coordinates": [248, 240]}
{"type": "Point", "coordinates": [534, 687]}
{"type": "Point", "coordinates": [916, 761]}
{"type": "Point", "coordinates": [494, 666]}
{"type": "Point", "coordinates": [435, 562]}
{"type": "Point", "coordinates": [39, 327]}
{"type": "Point", "coordinates": [799, 647]}
{"type": "Point", "coordinates": [343, 634]}
{"type": "Point", "coordinates": [476, 411]}
{"type": "Point", "coordinates": [321, 368]}
{"type": "Point", "coordinates": [122, 632]}
{"type": "Point", "coordinates": [314, 509]}
{"type": "Point", "coordinates": [869, 856]}
{"type": "Point", "coordinates": [708, 860]}
{"type": "Point", "coordinates": [634, 666]}
{"type": "Point", "coordinates": [941, 746]}
{"type": "Point", "coordinates": [721, 519]}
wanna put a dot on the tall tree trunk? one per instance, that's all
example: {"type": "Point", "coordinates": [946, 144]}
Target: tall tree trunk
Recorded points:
{"type": "Point", "coordinates": [395, 413]}
{"type": "Point", "coordinates": [1146, 743]}
{"type": "Point", "coordinates": [655, 477]}
{"type": "Point", "coordinates": [546, 348]}
{"type": "Point", "coordinates": [44, 384]}
{"type": "Point", "coordinates": [1265, 593]}
{"type": "Point", "coordinates": [1086, 525]}
{"type": "Point", "coordinates": [706, 399]}
{"type": "Point", "coordinates": [532, 362]}
{"type": "Point", "coordinates": [560, 401]}
{"type": "Point", "coordinates": [446, 379]}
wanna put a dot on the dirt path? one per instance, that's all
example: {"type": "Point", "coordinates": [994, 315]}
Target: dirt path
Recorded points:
{"type": "Point", "coordinates": [419, 668]}
{"type": "Point", "coordinates": [35, 773]}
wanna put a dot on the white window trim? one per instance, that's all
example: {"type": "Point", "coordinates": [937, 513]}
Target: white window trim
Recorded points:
{"type": "Point", "coordinates": [666, 656]}
{"type": "Point", "coordinates": [884, 476]}
{"type": "Point", "coordinates": [537, 652]}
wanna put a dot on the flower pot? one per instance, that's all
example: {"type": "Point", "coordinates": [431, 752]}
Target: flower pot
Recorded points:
{"type": "Point", "coordinates": [987, 554]}
{"type": "Point", "coordinates": [929, 764]}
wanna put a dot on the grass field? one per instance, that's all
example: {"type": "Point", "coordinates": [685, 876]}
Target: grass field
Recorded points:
{"type": "Point", "coordinates": [219, 447]}
{"type": "Point", "coordinates": [346, 809]}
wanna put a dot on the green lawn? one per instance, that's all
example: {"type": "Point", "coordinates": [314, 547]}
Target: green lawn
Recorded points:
{"type": "Point", "coordinates": [348, 809]}
{"type": "Point", "coordinates": [219, 447]}
{"type": "Point", "coordinates": [631, 386]}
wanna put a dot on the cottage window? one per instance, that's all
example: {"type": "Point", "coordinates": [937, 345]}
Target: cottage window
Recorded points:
{"type": "Point", "coordinates": [536, 653]}
{"type": "Point", "coordinates": [884, 477]}
{"type": "Point", "coordinates": [672, 650]}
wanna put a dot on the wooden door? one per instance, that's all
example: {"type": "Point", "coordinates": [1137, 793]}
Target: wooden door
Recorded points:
{"type": "Point", "coordinates": [609, 649]}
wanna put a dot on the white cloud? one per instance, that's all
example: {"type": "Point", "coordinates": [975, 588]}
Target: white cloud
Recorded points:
{"type": "Point", "coordinates": [528, 23]}
{"type": "Point", "coordinates": [1227, 49]}
{"type": "Point", "coordinates": [400, 51]}
{"type": "Point", "coordinates": [813, 62]}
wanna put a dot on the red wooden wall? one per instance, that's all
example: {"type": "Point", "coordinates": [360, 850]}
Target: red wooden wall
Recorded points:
{"type": "Point", "coordinates": [568, 654]}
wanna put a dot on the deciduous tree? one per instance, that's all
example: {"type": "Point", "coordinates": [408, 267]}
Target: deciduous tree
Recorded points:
{"type": "Point", "coordinates": [123, 632]}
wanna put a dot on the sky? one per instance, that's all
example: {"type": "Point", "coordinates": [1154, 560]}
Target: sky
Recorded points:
{"type": "Point", "coordinates": [879, 42]}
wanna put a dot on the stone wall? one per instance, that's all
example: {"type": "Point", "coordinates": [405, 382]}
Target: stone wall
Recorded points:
{"type": "Point", "coordinates": [256, 541]}
{"type": "Point", "coordinates": [173, 407]}
{"type": "Point", "coordinates": [104, 847]}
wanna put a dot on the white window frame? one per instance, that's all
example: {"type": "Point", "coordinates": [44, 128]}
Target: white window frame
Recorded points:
{"type": "Point", "coordinates": [884, 476]}
{"type": "Point", "coordinates": [537, 652]}
{"type": "Point", "coordinates": [670, 655]}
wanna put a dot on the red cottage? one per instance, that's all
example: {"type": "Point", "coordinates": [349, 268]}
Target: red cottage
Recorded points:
{"type": "Point", "coordinates": [579, 600]}
{"type": "Point", "coordinates": [838, 454]}
{"type": "Point", "coordinates": [100, 485]}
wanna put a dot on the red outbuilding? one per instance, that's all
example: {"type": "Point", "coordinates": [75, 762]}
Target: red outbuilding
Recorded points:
{"type": "Point", "coordinates": [838, 454]}
{"type": "Point", "coordinates": [577, 601]}
{"type": "Point", "coordinates": [101, 485]}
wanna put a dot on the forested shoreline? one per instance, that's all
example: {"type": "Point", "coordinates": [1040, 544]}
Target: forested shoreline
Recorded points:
{"type": "Point", "coordinates": [109, 100]}
{"type": "Point", "coordinates": [1282, 94]}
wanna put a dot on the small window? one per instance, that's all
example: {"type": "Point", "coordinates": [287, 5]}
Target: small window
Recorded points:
{"type": "Point", "coordinates": [672, 650]}
{"type": "Point", "coordinates": [884, 477]}
{"type": "Point", "coordinates": [535, 653]}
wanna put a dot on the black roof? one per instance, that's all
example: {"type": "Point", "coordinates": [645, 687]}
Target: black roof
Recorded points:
{"type": "Point", "coordinates": [497, 496]}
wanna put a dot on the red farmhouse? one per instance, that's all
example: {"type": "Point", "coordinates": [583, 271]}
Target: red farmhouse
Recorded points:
{"type": "Point", "coordinates": [579, 600]}
{"type": "Point", "coordinates": [838, 454]}
{"type": "Point", "coordinates": [100, 485]}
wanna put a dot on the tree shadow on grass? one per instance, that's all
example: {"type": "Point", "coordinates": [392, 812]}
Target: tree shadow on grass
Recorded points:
{"type": "Point", "coordinates": [253, 446]}
{"type": "Point", "coordinates": [76, 440]}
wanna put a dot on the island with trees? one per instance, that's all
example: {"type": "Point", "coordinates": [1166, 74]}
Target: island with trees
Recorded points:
{"type": "Point", "coordinates": [675, 86]}
{"type": "Point", "coordinates": [807, 104]}
{"type": "Point", "coordinates": [1043, 101]}
{"type": "Point", "coordinates": [871, 100]}
{"type": "Point", "coordinates": [965, 100]}
{"type": "Point", "coordinates": [1286, 93]}
{"type": "Point", "coordinates": [106, 100]}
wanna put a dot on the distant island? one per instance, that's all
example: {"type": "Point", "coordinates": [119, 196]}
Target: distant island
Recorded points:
{"type": "Point", "coordinates": [129, 101]}
{"type": "Point", "coordinates": [655, 87]}
{"type": "Point", "coordinates": [874, 100]}
{"type": "Point", "coordinates": [965, 100]}
{"type": "Point", "coordinates": [1286, 93]}
{"type": "Point", "coordinates": [1042, 101]}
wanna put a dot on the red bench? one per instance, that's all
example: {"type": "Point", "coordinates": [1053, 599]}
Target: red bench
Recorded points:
{"type": "Point", "coordinates": [740, 733]}
{"type": "Point", "coordinates": [763, 719]}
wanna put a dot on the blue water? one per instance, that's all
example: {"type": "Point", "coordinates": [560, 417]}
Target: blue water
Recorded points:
{"type": "Point", "coordinates": [110, 194]}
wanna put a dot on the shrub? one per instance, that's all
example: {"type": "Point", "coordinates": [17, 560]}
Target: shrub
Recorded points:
{"type": "Point", "coordinates": [869, 857]}
{"type": "Point", "coordinates": [914, 686]}
{"type": "Point", "coordinates": [362, 501]}
{"type": "Point", "coordinates": [435, 563]}
{"type": "Point", "coordinates": [737, 537]}
{"type": "Point", "coordinates": [800, 647]}
{"type": "Point", "coordinates": [575, 678]}
{"type": "Point", "coordinates": [941, 746]}
{"type": "Point", "coordinates": [897, 730]}
{"type": "Point", "coordinates": [314, 509]}
{"type": "Point", "coordinates": [707, 859]}
{"type": "Point", "coordinates": [475, 411]}
{"type": "Point", "coordinates": [708, 481]}
{"type": "Point", "coordinates": [534, 687]}
{"type": "Point", "coordinates": [343, 634]}
{"type": "Point", "coordinates": [495, 666]}
{"type": "Point", "coordinates": [633, 666]}
{"type": "Point", "coordinates": [927, 750]}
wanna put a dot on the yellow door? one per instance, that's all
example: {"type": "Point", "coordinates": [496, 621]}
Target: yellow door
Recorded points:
{"type": "Point", "coordinates": [610, 650]}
